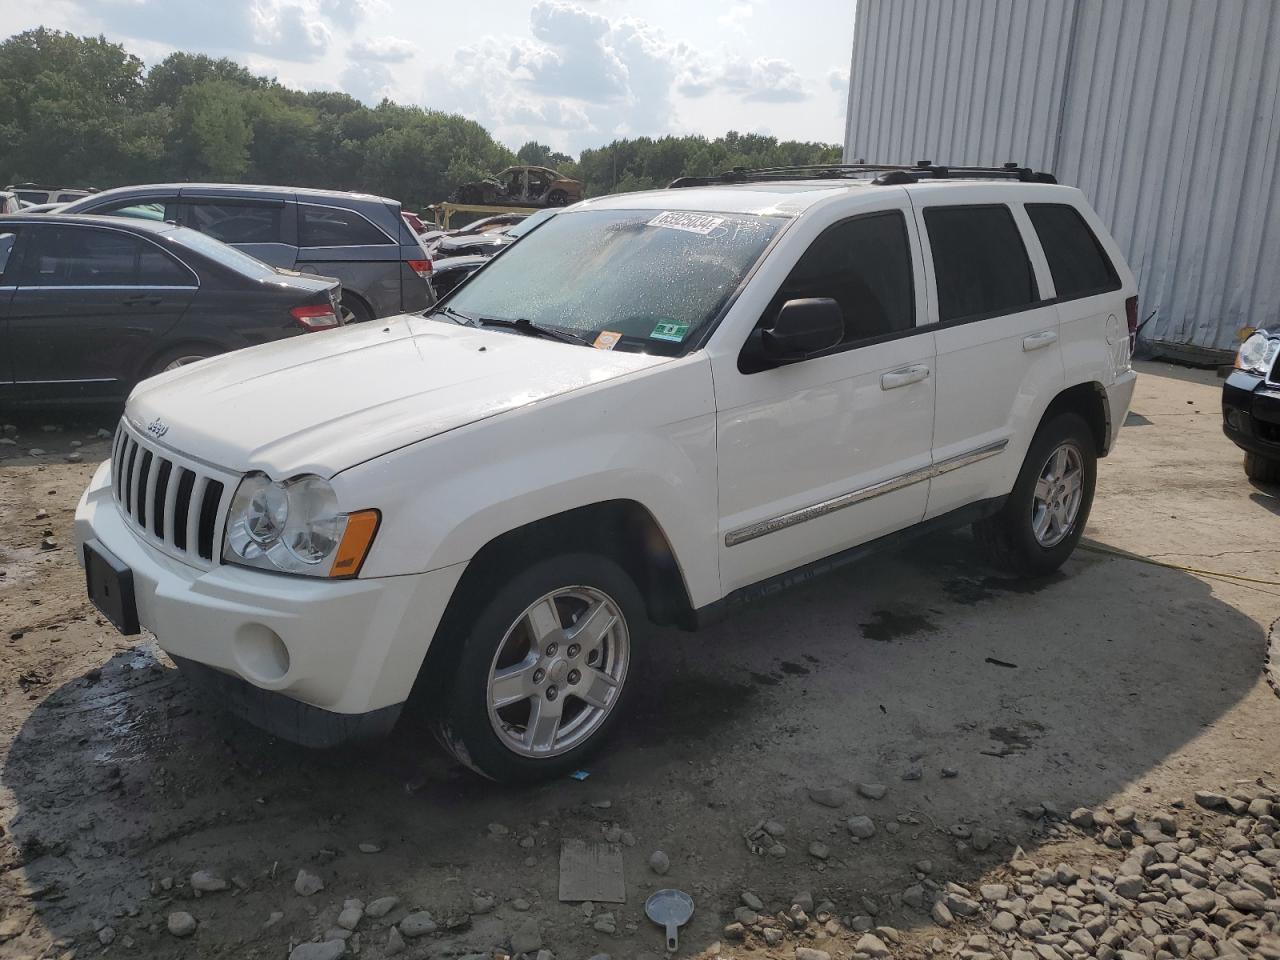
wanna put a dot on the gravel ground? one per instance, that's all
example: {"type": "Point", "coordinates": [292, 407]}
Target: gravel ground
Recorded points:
{"type": "Point", "coordinates": [909, 757]}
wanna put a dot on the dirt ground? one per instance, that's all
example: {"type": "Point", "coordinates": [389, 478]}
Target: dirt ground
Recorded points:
{"type": "Point", "coordinates": [1113, 682]}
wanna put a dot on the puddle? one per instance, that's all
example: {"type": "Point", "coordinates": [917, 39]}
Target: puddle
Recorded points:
{"type": "Point", "coordinates": [1015, 739]}
{"type": "Point", "coordinates": [971, 590]}
{"type": "Point", "coordinates": [794, 669]}
{"type": "Point", "coordinates": [887, 626]}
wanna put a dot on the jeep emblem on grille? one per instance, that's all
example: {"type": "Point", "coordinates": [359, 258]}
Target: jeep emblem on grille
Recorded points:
{"type": "Point", "coordinates": [157, 428]}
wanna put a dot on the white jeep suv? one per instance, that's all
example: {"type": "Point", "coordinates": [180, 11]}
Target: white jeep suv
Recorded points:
{"type": "Point", "coordinates": [651, 409]}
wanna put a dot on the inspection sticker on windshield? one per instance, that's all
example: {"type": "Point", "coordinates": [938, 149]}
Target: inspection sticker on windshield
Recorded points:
{"type": "Point", "coordinates": [669, 331]}
{"type": "Point", "coordinates": [606, 340]}
{"type": "Point", "coordinates": [691, 222]}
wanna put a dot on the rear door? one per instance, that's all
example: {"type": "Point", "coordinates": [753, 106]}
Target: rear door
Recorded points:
{"type": "Point", "coordinates": [89, 308]}
{"type": "Point", "coordinates": [265, 228]}
{"type": "Point", "coordinates": [343, 243]}
{"type": "Point", "coordinates": [9, 259]}
{"type": "Point", "coordinates": [998, 345]}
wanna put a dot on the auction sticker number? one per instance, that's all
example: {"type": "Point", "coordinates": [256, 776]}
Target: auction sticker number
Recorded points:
{"type": "Point", "coordinates": [699, 223]}
{"type": "Point", "coordinates": [674, 332]}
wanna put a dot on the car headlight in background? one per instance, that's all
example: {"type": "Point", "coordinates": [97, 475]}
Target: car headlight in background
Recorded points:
{"type": "Point", "coordinates": [1258, 354]}
{"type": "Point", "coordinates": [295, 526]}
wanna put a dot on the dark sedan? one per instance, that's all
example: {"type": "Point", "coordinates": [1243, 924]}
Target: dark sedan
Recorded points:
{"type": "Point", "coordinates": [1251, 405]}
{"type": "Point", "coordinates": [91, 305]}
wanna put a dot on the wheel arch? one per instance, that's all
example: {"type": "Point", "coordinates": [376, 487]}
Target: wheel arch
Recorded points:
{"type": "Point", "coordinates": [1089, 401]}
{"type": "Point", "coordinates": [146, 367]}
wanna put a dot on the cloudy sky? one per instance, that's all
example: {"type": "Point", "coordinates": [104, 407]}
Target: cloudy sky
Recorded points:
{"type": "Point", "coordinates": [572, 73]}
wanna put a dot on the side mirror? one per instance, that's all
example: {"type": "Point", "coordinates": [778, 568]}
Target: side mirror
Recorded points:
{"type": "Point", "coordinates": [802, 328]}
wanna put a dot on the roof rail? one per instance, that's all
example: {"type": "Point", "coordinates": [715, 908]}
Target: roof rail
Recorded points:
{"type": "Point", "coordinates": [880, 174]}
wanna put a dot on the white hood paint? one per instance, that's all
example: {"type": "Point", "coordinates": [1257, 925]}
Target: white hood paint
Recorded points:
{"type": "Point", "coordinates": [325, 401]}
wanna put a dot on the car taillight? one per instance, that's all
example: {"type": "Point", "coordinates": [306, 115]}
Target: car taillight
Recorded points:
{"type": "Point", "coordinates": [315, 317]}
{"type": "Point", "coordinates": [1131, 315]}
{"type": "Point", "coordinates": [421, 267]}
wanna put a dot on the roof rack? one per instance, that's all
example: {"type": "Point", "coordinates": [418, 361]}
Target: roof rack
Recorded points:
{"type": "Point", "coordinates": [881, 174]}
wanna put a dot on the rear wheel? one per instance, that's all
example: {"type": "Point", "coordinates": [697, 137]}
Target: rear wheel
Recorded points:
{"type": "Point", "coordinates": [557, 198]}
{"type": "Point", "coordinates": [179, 357]}
{"type": "Point", "coordinates": [1045, 514]}
{"type": "Point", "coordinates": [354, 310]}
{"type": "Point", "coordinates": [1261, 469]}
{"type": "Point", "coordinates": [546, 667]}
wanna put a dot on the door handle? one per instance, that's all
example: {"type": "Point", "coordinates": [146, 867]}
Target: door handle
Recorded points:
{"type": "Point", "coordinates": [901, 378]}
{"type": "Point", "coordinates": [140, 300]}
{"type": "Point", "coordinates": [1039, 340]}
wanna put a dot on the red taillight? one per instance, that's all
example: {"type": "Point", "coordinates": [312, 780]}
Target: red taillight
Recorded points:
{"type": "Point", "coordinates": [315, 318]}
{"type": "Point", "coordinates": [1131, 315]}
{"type": "Point", "coordinates": [421, 267]}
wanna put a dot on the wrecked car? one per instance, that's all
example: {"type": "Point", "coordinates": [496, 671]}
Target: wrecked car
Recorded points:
{"type": "Point", "coordinates": [521, 187]}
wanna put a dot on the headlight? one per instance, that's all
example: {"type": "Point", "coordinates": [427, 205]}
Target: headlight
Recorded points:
{"type": "Point", "coordinates": [1258, 354]}
{"type": "Point", "coordinates": [295, 526]}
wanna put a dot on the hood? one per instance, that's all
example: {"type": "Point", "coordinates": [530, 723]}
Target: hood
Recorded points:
{"type": "Point", "coordinates": [452, 246]}
{"type": "Point", "coordinates": [326, 401]}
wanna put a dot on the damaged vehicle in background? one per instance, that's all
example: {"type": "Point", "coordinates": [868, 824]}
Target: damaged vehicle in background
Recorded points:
{"type": "Point", "coordinates": [455, 258]}
{"type": "Point", "coordinates": [1251, 405]}
{"type": "Point", "coordinates": [96, 304]}
{"type": "Point", "coordinates": [521, 187]}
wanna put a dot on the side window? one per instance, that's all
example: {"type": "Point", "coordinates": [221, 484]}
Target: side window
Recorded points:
{"type": "Point", "coordinates": [157, 269]}
{"type": "Point", "coordinates": [235, 222]}
{"type": "Point", "coordinates": [75, 256]}
{"type": "Point", "coordinates": [334, 227]}
{"type": "Point", "coordinates": [8, 238]}
{"type": "Point", "coordinates": [864, 264]}
{"type": "Point", "coordinates": [1077, 261]}
{"type": "Point", "coordinates": [144, 210]}
{"type": "Point", "coordinates": [979, 260]}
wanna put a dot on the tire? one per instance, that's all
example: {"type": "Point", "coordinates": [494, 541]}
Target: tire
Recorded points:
{"type": "Point", "coordinates": [557, 198]}
{"type": "Point", "coordinates": [1025, 538]}
{"type": "Point", "coordinates": [354, 310]}
{"type": "Point", "coordinates": [1260, 468]}
{"type": "Point", "coordinates": [503, 741]}
{"type": "Point", "coordinates": [179, 357]}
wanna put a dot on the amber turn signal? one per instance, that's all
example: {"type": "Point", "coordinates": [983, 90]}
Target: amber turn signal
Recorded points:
{"type": "Point", "coordinates": [361, 527]}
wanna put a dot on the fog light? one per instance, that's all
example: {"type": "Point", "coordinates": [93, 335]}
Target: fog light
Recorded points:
{"type": "Point", "coordinates": [260, 653]}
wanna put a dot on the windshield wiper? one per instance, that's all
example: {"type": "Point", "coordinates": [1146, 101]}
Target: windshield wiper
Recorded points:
{"type": "Point", "coordinates": [530, 329]}
{"type": "Point", "coordinates": [453, 315]}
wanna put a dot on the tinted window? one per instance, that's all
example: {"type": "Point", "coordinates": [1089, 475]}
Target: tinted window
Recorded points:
{"type": "Point", "coordinates": [979, 260]}
{"type": "Point", "coordinates": [74, 256]}
{"type": "Point", "coordinates": [226, 256]}
{"type": "Point", "coordinates": [68, 197]}
{"type": "Point", "coordinates": [334, 227]}
{"type": "Point", "coordinates": [144, 210]}
{"type": "Point", "coordinates": [236, 222]}
{"type": "Point", "coordinates": [7, 240]}
{"type": "Point", "coordinates": [864, 265]}
{"type": "Point", "coordinates": [1076, 260]}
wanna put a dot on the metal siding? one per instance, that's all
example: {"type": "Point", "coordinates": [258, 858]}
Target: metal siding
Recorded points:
{"type": "Point", "coordinates": [1166, 113]}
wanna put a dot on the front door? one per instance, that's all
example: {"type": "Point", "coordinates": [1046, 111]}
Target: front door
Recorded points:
{"type": "Point", "coordinates": [90, 306]}
{"type": "Point", "coordinates": [827, 453]}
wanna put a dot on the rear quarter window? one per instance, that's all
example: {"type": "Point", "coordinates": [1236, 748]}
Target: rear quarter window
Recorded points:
{"type": "Point", "coordinates": [979, 261]}
{"type": "Point", "coordinates": [335, 227]}
{"type": "Point", "coordinates": [236, 222]}
{"type": "Point", "coordinates": [1077, 262]}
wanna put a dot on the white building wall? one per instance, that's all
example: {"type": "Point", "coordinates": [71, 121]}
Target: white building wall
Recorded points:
{"type": "Point", "coordinates": [1165, 112]}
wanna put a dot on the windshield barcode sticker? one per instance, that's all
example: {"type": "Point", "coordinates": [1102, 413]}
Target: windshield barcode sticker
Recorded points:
{"type": "Point", "coordinates": [698, 223]}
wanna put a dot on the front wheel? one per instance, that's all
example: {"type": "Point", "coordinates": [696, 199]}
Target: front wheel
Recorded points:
{"type": "Point", "coordinates": [1262, 469]}
{"type": "Point", "coordinates": [557, 198]}
{"type": "Point", "coordinates": [1045, 514]}
{"type": "Point", "coordinates": [546, 667]}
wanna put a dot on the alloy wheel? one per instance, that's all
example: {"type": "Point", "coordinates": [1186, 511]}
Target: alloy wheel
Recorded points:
{"type": "Point", "coordinates": [1059, 491]}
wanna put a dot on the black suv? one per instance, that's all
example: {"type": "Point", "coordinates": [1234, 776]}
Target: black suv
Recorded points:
{"type": "Point", "coordinates": [360, 239]}
{"type": "Point", "coordinates": [1251, 405]}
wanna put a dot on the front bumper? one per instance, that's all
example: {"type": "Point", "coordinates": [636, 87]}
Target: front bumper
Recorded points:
{"type": "Point", "coordinates": [1251, 414]}
{"type": "Point", "coordinates": [341, 648]}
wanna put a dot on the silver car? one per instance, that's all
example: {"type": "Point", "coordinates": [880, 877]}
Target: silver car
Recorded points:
{"type": "Point", "coordinates": [358, 238]}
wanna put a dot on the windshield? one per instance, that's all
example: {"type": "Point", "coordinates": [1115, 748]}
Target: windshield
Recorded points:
{"type": "Point", "coordinates": [639, 280]}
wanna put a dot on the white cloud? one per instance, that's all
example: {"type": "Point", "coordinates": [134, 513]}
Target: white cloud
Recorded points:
{"type": "Point", "coordinates": [383, 49]}
{"type": "Point", "coordinates": [767, 79]}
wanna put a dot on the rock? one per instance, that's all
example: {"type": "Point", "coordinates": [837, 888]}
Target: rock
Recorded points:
{"type": "Point", "coordinates": [1130, 887]}
{"type": "Point", "coordinates": [659, 863]}
{"type": "Point", "coordinates": [1004, 922]}
{"type": "Point", "coordinates": [994, 892]}
{"type": "Point", "coordinates": [36, 452]}
{"type": "Point", "coordinates": [103, 434]}
{"type": "Point", "coordinates": [735, 931]}
{"type": "Point", "coordinates": [913, 896]}
{"type": "Point", "coordinates": [1200, 901]}
{"type": "Point", "coordinates": [498, 830]}
{"type": "Point", "coordinates": [809, 953]}
{"type": "Point", "coordinates": [1066, 874]}
{"type": "Point", "coordinates": [272, 919]}
{"type": "Point", "coordinates": [924, 866]}
{"type": "Point", "coordinates": [914, 772]}
{"type": "Point", "coordinates": [613, 833]}
{"type": "Point", "coordinates": [773, 936]}
{"type": "Point", "coordinates": [181, 923]}
{"type": "Point", "coordinates": [307, 883]}
{"type": "Point", "coordinates": [777, 851]}
{"type": "Point", "coordinates": [745, 916]}
{"type": "Point", "coordinates": [861, 827]}
{"type": "Point", "coordinates": [206, 881]}
{"type": "Point", "coordinates": [48, 543]}
{"type": "Point", "coordinates": [1246, 900]}
{"type": "Point", "coordinates": [872, 791]}
{"type": "Point", "coordinates": [869, 944]}
{"type": "Point", "coordinates": [395, 943]}
{"type": "Point", "coordinates": [519, 903]}
{"type": "Point", "coordinates": [74, 457]}
{"type": "Point", "coordinates": [749, 899]}
{"type": "Point", "coordinates": [368, 847]}
{"type": "Point", "coordinates": [949, 772]}
{"type": "Point", "coordinates": [527, 843]}
{"type": "Point", "coordinates": [482, 904]}
{"type": "Point", "coordinates": [942, 915]}
{"type": "Point", "coordinates": [420, 923]}
{"type": "Point", "coordinates": [1210, 800]}
{"type": "Point", "coordinates": [819, 850]}
{"type": "Point", "coordinates": [106, 935]}
{"type": "Point", "coordinates": [327, 950]}
{"type": "Point", "coordinates": [1125, 816]}
{"type": "Point", "coordinates": [960, 905]}
{"type": "Point", "coordinates": [827, 797]}
{"type": "Point", "coordinates": [527, 937]}
{"type": "Point", "coordinates": [982, 839]}
{"type": "Point", "coordinates": [605, 923]}
{"type": "Point", "coordinates": [803, 900]}
{"type": "Point", "coordinates": [42, 514]}
{"type": "Point", "coordinates": [774, 829]}
{"type": "Point", "coordinates": [1082, 817]}
{"type": "Point", "coordinates": [351, 915]}
{"type": "Point", "coordinates": [382, 906]}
